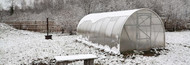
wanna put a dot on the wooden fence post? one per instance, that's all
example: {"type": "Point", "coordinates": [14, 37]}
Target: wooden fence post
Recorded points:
{"type": "Point", "coordinates": [35, 26]}
{"type": "Point", "coordinates": [20, 26]}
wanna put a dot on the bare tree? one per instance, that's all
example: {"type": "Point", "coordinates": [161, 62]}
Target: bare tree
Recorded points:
{"type": "Point", "coordinates": [87, 6]}
{"type": "Point", "coordinates": [12, 7]}
{"type": "Point", "coordinates": [1, 8]}
{"type": "Point", "coordinates": [23, 4]}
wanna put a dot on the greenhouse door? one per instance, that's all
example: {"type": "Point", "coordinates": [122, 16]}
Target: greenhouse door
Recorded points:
{"type": "Point", "coordinates": [143, 31]}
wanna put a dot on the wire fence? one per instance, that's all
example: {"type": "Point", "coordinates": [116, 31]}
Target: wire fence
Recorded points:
{"type": "Point", "coordinates": [37, 26]}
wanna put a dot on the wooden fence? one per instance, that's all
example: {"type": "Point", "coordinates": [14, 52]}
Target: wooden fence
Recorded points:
{"type": "Point", "coordinates": [37, 26]}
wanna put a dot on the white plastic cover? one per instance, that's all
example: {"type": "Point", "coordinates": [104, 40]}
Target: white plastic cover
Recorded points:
{"type": "Point", "coordinates": [138, 29]}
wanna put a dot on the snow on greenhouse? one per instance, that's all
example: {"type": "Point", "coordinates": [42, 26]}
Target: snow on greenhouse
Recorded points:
{"type": "Point", "coordinates": [138, 29]}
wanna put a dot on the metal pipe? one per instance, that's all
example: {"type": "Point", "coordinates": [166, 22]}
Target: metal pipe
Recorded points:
{"type": "Point", "coordinates": [47, 27]}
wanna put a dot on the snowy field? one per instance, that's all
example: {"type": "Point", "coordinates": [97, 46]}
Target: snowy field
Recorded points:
{"type": "Point", "coordinates": [23, 47]}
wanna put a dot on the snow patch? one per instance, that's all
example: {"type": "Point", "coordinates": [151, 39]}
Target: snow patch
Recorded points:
{"type": "Point", "coordinates": [106, 48]}
{"type": "Point", "coordinates": [23, 47]}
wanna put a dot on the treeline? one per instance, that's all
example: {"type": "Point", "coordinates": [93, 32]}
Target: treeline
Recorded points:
{"type": "Point", "coordinates": [69, 12]}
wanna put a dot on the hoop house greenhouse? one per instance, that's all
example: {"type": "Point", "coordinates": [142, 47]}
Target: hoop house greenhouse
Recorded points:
{"type": "Point", "coordinates": [138, 29]}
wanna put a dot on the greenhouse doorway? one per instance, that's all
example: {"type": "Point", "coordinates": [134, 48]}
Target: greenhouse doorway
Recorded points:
{"type": "Point", "coordinates": [143, 31]}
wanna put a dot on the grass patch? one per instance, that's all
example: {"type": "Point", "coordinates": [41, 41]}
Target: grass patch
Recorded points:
{"type": "Point", "coordinates": [151, 52]}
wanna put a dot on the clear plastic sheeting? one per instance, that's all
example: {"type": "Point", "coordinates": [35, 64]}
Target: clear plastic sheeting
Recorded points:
{"type": "Point", "coordinates": [138, 29]}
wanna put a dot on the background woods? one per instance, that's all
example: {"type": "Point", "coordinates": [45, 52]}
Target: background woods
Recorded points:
{"type": "Point", "coordinates": [67, 13]}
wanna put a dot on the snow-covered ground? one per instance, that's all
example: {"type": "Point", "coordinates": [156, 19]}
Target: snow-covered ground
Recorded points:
{"type": "Point", "coordinates": [22, 47]}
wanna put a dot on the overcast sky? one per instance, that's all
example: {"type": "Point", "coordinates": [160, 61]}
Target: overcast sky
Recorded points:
{"type": "Point", "coordinates": [5, 3]}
